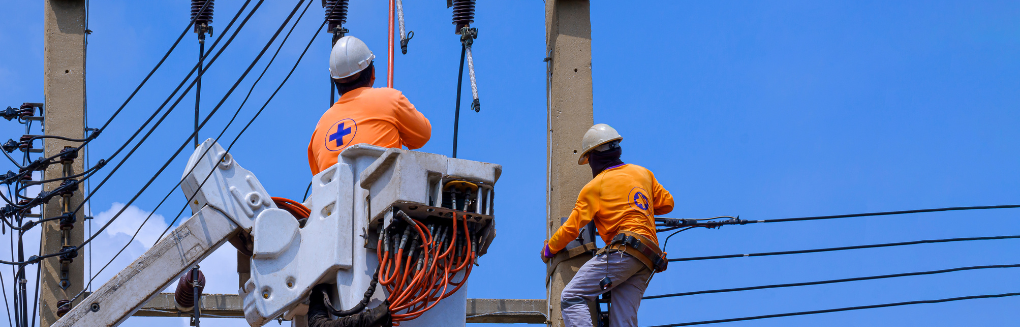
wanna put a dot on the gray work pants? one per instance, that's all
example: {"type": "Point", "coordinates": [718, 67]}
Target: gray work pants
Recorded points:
{"type": "Point", "coordinates": [629, 276]}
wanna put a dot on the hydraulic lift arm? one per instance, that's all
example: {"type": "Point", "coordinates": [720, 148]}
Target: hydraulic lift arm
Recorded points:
{"type": "Point", "coordinates": [125, 293]}
{"type": "Point", "coordinates": [227, 205]}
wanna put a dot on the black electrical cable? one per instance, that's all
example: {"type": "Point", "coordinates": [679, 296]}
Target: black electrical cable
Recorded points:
{"type": "Point", "coordinates": [146, 79]}
{"type": "Point", "coordinates": [863, 307]}
{"type": "Point", "coordinates": [887, 213]}
{"type": "Point", "coordinates": [831, 281]}
{"type": "Point", "coordinates": [142, 83]}
{"type": "Point", "coordinates": [307, 189]}
{"type": "Point", "coordinates": [181, 97]}
{"type": "Point", "coordinates": [15, 162]}
{"type": "Point", "coordinates": [856, 247]}
{"type": "Point", "coordinates": [38, 278]}
{"type": "Point", "coordinates": [59, 179]}
{"type": "Point", "coordinates": [668, 221]}
{"type": "Point", "coordinates": [671, 235]}
{"type": "Point", "coordinates": [6, 304]}
{"type": "Point", "coordinates": [38, 137]}
{"type": "Point", "coordinates": [205, 121]}
{"type": "Point", "coordinates": [85, 123]}
{"type": "Point", "coordinates": [141, 128]}
{"type": "Point", "coordinates": [460, 85]}
{"type": "Point", "coordinates": [231, 145]}
{"type": "Point", "coordinates": [135, 197]}
{"type": "Point", "coordinates": [221, 134]}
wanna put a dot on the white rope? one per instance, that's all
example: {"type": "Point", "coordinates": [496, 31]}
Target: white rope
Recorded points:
{"type": "Point", "coordinates": [471, 71]}
{"type": "Point", "coordinates": [400, 19]}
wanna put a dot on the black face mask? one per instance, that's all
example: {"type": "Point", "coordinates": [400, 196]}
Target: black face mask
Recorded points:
{"type": "Point", "coordinates": [599, 161]}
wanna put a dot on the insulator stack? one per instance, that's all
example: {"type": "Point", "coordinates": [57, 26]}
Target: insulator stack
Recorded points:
{"type": "Point", "coordinates": [336, 14]}
{"type": "Point", "coordinates": [63, 307]}
{"type": "Point", "coordinates": [198, 15]}
{"type": "Point", "coordinates": [463, 13]}
{"type": "Point", "coordinates": [185, 293]}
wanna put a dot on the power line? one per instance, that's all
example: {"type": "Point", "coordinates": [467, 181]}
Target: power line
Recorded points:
{"type": "Point", "coordinates": [842, 248]}
{"type": "Point", "coordinates": [47, 161]}
{"type": "Point", "coordinates": [35, 259]}
{"type": "Point", "coordinates": [172, 94]}
{"type": "Point", "coordinates": [863, 307]}
{"type": "Point", "coordinates": [674, 223]}
{"type": "Point", "coordinates": [144, 80]}
{"type": "Point", "coordinates": [205, 121]}
{"type": "Point", "coordinates": [231, 145]}
{"type": "Point", "coordinates": [152, 212]}
{"type": "Point", "coordinates": [89, 138]}
{"type": "Point", "coordinates": [832, 281]}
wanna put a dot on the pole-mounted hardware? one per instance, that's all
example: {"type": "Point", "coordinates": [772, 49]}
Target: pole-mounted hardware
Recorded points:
{"type": "Point", "coordinates": [336, 17]}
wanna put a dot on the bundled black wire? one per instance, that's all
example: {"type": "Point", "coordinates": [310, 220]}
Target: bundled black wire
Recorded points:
{"type": "Point", "coordinates": [173, 189]}
{"type": "Point", "coordinates": [34, 259]}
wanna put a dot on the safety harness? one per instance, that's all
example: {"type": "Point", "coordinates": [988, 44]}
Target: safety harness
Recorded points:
{"type": "Point", "coordinates": [639, 247]}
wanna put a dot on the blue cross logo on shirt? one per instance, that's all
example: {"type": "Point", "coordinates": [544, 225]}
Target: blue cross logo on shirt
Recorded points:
{"type": "Point", "coordinates": [338, 137]}
{"type": "Point", "coordinates": [639, 200]}
{"type": "Point", "coordinates": [344, 129]}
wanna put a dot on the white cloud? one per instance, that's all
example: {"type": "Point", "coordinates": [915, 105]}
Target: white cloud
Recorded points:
{"type": "Point", "coordinates": [129, 221]}
{"type": "Point", "coordinates": [219, 267]}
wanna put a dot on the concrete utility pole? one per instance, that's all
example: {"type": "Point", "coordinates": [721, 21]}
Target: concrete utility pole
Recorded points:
{"type": "Point", "coordinates": [568, 44]}
{"type": "Point", "coordinates": [64, 91]}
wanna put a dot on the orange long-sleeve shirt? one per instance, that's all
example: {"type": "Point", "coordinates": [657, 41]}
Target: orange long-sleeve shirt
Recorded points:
{"type": "Point", "coordinates": [622, 198]}
{"type": "Point", "coordinates": [376, 116]}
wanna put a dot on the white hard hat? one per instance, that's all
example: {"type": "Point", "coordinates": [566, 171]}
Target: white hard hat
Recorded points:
{"type": "Point", "coordinates": [597, 136]}
{"type": "Point", "coordinates": [349, 56]}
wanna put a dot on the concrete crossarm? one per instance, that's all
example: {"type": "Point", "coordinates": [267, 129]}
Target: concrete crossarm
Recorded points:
{"type": "Point", "coordinates": [125, 293]}
{"type": "Point", "coordinates": [506, 311]}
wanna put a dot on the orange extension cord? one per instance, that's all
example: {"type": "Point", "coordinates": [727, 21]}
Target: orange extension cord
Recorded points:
{"type": "Point", "coordinates": [430, 283]}
{"type": "Point", "coordinates": [418, 292]}
{"type": "Point", "coordinates": [295, 208]}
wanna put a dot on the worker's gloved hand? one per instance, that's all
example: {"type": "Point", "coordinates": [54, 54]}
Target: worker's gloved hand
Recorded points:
{"type": "Point", "coordinates": [546, 253]}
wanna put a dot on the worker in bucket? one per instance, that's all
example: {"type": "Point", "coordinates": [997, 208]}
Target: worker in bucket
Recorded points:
{"type": "Point", "coordinates": [363, 114]}
{"type": "Point", "coordinates": [623, 200]}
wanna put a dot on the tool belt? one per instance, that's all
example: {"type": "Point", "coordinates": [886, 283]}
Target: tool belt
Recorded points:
{"type": "Point", "coordinates": [639, 247]}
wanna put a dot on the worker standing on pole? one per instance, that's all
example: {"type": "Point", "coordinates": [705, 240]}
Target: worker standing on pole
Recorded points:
{"type": "Point", "coordinates": [622, 199]}
{"type": "Point", "coordinates": [363, 114]}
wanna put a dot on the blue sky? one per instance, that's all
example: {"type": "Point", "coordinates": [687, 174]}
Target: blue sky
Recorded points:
{"type": "Point", "coordinates": [759, 109]}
